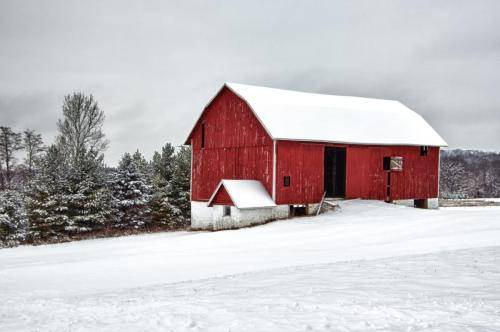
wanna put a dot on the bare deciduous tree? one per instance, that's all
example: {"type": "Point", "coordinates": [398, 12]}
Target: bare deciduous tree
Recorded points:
{"type": "Point", "coordinates": [81, 127]}
{"type": "Point", "coordinates": [33, 144]}
{"type": "Point", "coordinates": [10, 142]}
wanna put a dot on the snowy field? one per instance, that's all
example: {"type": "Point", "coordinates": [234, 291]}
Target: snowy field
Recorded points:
{"type": "Point", "coordinates": [370, 266]}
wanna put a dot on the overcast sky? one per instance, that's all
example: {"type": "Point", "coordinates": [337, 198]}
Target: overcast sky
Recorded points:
{"type": "Point", "coordinates": [153, 65]}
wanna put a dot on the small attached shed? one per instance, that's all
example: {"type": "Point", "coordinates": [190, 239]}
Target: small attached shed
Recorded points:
{"type": "Point", "coordinates": [239, 203]}
{"type": "Point", "coordinates": [299, 147]}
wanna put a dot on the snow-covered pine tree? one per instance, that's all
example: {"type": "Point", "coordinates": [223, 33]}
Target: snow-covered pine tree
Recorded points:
{"type": "Point", "coordinates": [87, 196]}
{"type": "Point", "coordinates": [13, 219]}
{"type": "Point", "coordinates": [46, 201]}
{"type": "Point", "coordinates": [131, 194]}
{"type": "Point", "coordinates": [178, 196]}
{"type": "Point", "coordinates": [161, 169]}
{"type": "Point", "coordinates": [142, 165]}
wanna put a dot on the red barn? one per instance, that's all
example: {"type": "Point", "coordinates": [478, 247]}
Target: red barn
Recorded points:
{"type": "Point", "coordinates": [261, 154]}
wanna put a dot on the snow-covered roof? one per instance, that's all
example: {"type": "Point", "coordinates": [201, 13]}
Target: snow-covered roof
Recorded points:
{"type": "Point", "coordinates": [301, 116]}
{"type": "Point", "coordinates": [245, 194]}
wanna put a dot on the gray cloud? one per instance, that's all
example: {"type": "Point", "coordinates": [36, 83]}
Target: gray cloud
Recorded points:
{"type": "Point", "coordinates": [153, 65]}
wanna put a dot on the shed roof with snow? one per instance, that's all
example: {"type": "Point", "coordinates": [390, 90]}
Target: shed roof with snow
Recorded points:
{"type": "Point", "coordinates": [301, 116]}
{"type": "Point", "coordinates": [244, 194]}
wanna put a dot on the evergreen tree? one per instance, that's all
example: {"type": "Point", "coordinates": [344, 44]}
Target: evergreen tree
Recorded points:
{"type": "Point", "coordinates": [87, 197]}
{"type": "Point", "coordinates": [13, 220]}
{"type": "Point", "coordinates": [46, 196]}
{"type": "Point", "coordinates": [161, 168]}
{"type": "Point", "coordinates": [131, 194]}
{"type": "Point", "coordinates": [142, 165]}
{"type": "Point", "coordinates": [178, 197]}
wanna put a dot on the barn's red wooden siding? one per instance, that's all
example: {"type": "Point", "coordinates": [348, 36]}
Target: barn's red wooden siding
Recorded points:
{"type": "Point", "coordinates": [365, 177]}
{"type": "Point", "coordinates": [303, 162]}
{"type": "Point", "coordinates": [236, 146]}
{"type": "Point", "coordinates": [222, 198]}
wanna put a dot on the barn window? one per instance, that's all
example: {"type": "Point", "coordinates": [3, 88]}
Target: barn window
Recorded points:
{"type": "Point", "coordinates": [226, 212]}
{"type": "Point", "coordinates": [202, 135]}
{"type": "Point", "coordinates": [286, 181]}
{"type": "Point", "coordinates": [423, 151]}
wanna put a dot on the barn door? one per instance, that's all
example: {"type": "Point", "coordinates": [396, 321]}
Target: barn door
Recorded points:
{"type": "Point", "coordinates": [334, 171]}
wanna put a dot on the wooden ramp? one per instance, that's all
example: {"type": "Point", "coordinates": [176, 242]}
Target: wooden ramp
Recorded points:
{"type": "Point", "coordinates": [329, 204]}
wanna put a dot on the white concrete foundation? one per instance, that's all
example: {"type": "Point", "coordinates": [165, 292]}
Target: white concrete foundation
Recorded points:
{"type": "Point", "coordinates": [281, 212]}
{"type": "Point", "coordinates": [432, 203]}
{"type": "Point", "coordinates": [212, 218]}
{"type": "Point", "coordinates": [201, 215]}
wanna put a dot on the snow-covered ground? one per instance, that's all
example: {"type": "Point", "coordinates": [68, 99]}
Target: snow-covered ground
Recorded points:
{"type": "Point", "coordinates": [373, 265]}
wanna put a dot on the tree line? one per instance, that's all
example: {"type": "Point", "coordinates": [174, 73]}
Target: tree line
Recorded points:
{"type": "Point", "coordinates": [64, 191]}
{"type": "Point", "coordinates": [469, 174]}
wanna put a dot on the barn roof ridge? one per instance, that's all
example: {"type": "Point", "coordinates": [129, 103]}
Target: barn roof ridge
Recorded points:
{"type": "Point", "coordinates": [235, 84]}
